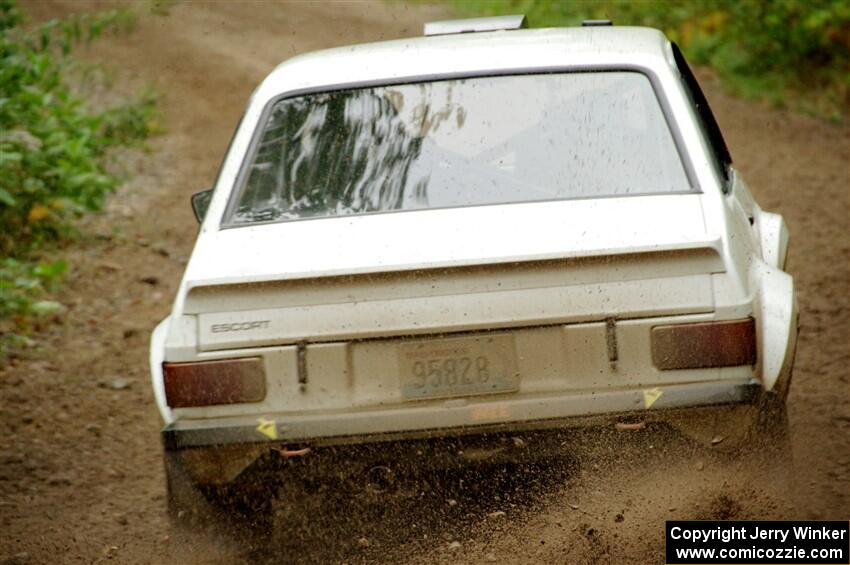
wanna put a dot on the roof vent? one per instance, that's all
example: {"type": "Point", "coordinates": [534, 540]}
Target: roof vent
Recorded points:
{"type": "Point", "coordinates": [473, 25]}
{"type": "Point", "coordinates": [596, 23]}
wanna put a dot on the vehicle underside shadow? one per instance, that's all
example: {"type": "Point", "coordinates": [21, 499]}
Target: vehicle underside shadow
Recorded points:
{"type": "Point", "coordinates": [368, 508]}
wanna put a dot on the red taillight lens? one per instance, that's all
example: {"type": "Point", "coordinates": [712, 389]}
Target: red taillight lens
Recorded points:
{"type": "Point", "coordinates": [705, 344]}
{"type": "Point", "coordinates": [207, 383]}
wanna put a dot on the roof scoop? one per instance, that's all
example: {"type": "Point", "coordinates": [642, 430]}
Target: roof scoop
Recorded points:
{"type": "Point", "coordinates": [474, 25]}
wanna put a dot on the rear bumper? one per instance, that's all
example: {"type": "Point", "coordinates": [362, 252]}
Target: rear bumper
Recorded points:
{"type": "Point", "coordinates": [457, 417]}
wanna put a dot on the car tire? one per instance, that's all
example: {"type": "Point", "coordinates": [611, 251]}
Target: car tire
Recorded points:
{"type": "Point", "coordinates": [739, 429]}
{"type": "Point", "coordinates": [189, 509]}
{"type": "Point", "coordinates": [237, 512]}
{"type": "Point", "coordinates": [769, 434]}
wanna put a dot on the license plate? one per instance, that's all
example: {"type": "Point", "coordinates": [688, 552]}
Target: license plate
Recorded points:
{"type": "Point", "coordinates": [463, 366]}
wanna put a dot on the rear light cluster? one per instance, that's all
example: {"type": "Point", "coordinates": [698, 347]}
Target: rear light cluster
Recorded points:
{"type": "Point", "coordinates": [705, 344]}
{"type": "Point", "coordinates": [208, 383]}
{"type": "Point", "coordinates": [677, 346]}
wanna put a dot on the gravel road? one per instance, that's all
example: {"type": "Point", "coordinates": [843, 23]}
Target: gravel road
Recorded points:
{"type": "Point", "coordinates": [81, 477]}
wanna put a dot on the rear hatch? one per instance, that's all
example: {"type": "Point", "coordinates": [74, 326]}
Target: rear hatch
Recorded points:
{"type": "Point", "coordinates": [376, 310]}
{"type": "Point", "coordinates": [455, 299]}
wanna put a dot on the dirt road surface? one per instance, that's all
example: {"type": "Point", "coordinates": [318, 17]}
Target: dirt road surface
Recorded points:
{"type": "Point", "coordinates": [81, 477]}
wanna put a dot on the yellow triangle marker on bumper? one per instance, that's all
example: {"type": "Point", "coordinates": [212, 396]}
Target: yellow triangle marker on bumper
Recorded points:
{"type": "Point", "coordinates": [650, 396]}
{"type": "Point", "coordinates": [267, 427]}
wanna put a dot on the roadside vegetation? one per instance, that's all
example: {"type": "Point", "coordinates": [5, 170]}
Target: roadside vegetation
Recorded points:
{"type": "Point", "coordinates": [788, 52]}
{"type": "Point", "coordinates": [54, 155]}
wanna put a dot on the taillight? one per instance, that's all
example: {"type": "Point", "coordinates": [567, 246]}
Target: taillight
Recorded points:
{"type": "Point", "coordinates": [207, 383]}
{"type": "Point", "coordinates": [704, 344]}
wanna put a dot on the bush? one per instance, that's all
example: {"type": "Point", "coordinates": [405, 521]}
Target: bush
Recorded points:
{"type": "Point", "coordinates": [794, 50]}
{"type": "Point", "coordinates": [52, 153]}
{"type": "Point", "coordinates": [23, 285]}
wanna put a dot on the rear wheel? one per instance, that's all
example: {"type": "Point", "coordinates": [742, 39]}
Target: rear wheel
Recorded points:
{"type": "Point", "coordinates": [188, 507]}
{"type": "Point", "coordinates": [756, 426]}
{"type": "Point", "coordinates": [752, 441]}
{"type": "Point", "coordinates": [768, 450]}
{"type": "Point", "coordinates": [238, 512]}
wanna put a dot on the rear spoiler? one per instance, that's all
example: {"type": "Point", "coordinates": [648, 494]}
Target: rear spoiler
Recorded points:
{"type": "Point", "coordinates": [455, 299]}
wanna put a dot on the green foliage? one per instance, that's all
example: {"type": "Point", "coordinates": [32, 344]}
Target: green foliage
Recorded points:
{"type": "Point", "coordinates": [53, 150]}
{"type": "Point", "coordinates": [22, 281]}
{"type": "Point", "coordinates": [24, 286]}
{"type": "Point", "coordinates": [794, 50]}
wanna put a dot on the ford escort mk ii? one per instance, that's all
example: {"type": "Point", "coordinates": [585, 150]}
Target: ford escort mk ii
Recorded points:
{"type": "Point", "coordinates": [464, 235]}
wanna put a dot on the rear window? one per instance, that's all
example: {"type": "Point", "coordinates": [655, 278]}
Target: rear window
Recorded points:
{"type": "Point", "coordinates": [467, 142]}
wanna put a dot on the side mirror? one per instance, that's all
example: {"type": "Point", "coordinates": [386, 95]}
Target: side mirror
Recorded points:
{"type": "Point", "coordinates": [200, 203]}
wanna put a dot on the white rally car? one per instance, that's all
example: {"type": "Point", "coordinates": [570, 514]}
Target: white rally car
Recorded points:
{"type": "Point", "coordinates": [467, 236]}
